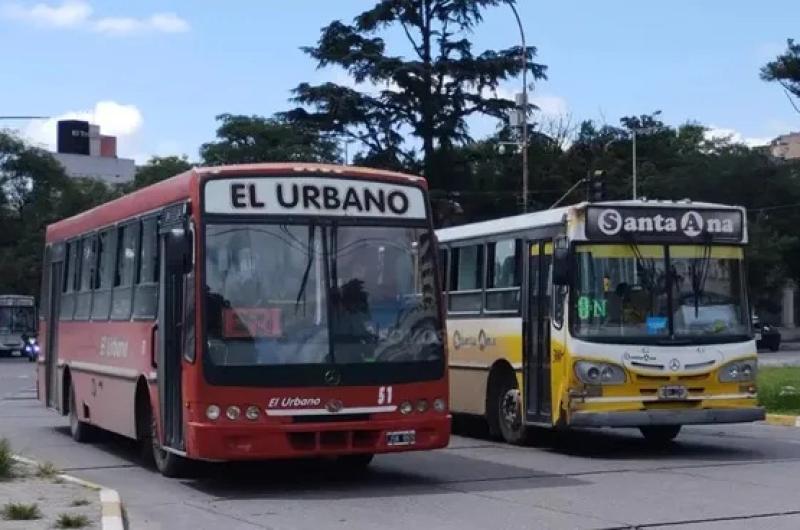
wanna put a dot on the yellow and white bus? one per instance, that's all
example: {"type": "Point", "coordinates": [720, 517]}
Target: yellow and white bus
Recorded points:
{"type": "Point", "coordinates": [611, 314]}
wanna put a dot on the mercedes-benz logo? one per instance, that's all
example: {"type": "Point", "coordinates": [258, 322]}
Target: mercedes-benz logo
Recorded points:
{"type": "Point", "coordinates": [334, 405]}
{"type": "Point", "coordinates": [674, 365]}
{"type": "Point", "coordinates": [332, 377]}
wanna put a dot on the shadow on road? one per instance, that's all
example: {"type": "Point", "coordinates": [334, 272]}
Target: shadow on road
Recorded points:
{"type": "Point", "coordinates": [614, 444]}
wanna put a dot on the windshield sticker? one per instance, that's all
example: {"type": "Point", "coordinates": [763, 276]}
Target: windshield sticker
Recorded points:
{"type": "Point", "coordinates": [655, 325]}
{"type": "Point", "coordinates": [591, 308]}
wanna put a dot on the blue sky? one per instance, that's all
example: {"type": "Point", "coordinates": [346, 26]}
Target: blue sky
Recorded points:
{"type": "Point", "coordinates": [156, 73]}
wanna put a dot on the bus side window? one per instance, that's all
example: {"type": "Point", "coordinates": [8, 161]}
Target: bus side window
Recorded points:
{"type": "Point", "coordinates": [503, 276]}
{"type": "Point", "coordinates": [122, 294]}
{"type": "Point", "coordinates": [83, 298]}
{"type": "Point", "coordinates": [70, 273]}
{"type": "Point", "coordinates": [101, 300]}
{"type": "Point", "coordinates": [466, 278]}
{"type": "Point", "coordinates": [145, 300]}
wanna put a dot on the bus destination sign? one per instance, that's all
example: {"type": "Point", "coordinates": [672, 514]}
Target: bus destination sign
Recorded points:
{"type": "Point", "coordinates": [663, 224]}
{"type": "Point", "coordinates": [313, 196]}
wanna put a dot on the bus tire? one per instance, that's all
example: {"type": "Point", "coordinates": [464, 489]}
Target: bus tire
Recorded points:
{"type": "Point", "coordinates": [660, 434]}
{"type": "Point", "coordinates": [508, 409]}
{"type": "Point", "coordinates": [81, 431]}
{"type": "Point", "coordinates": [167, 463]}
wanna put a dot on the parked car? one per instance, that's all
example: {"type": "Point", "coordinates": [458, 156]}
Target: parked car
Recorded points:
{"type": "Point", "coordinates": [767, 335]}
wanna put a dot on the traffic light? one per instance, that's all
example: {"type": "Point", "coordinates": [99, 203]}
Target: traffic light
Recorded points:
{"type": "Point", "coordinates": [596, 187]}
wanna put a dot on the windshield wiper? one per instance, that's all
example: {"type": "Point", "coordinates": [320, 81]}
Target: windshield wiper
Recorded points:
{"type": "Point", "coordinates": [699, 274]}
{"type": "Point", "coordinates": [304, 282]}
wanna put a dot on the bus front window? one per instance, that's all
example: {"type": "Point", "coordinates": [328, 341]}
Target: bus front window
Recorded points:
{"type": "Point", "coordinates": [659, 292]}
{"type": "Point", "coordinates": [312, 294]}
{"type": "Point", "coordinates": [620, 291]}
{"type": "Point", "coordinates": [708, 291]}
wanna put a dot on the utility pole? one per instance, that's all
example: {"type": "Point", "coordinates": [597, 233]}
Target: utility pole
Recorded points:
{"type": "Point", "coordinates": [524, 106]}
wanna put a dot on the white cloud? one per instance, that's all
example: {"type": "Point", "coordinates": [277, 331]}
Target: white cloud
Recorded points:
{"type": "Point", "coordinates": [160, 22]}
{"type": "Point", "coordinates": [549, 105]}
{"type": "Point", "coordinates": [115, 119]}
{"type": "Point", "coordinates": [77, 14]}
{"type": "Point", "coordinates": [69, 14]}
{"type": "Point", "coordinates": [734, 136]}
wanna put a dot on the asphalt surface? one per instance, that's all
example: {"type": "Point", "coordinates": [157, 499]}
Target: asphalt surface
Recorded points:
{"type": "Point", "coordinates": [788, 355]}
{"type": "Point", "coordinates": [717, 477]}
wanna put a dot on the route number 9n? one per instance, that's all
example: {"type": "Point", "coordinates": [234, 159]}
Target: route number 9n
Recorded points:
{"type": "Point", "coordinates": [384, 395]}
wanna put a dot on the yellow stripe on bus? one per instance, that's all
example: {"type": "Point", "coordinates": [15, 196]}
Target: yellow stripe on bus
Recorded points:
{"type": "Point", "coordinates": [548, 249]}
{"type": "Point", "coordinates": [657, 251]}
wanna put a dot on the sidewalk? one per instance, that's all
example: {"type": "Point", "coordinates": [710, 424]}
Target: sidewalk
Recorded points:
{"type": "Point", "coordinates": [789, 334]}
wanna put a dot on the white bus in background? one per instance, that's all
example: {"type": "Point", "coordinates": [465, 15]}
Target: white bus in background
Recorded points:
{"type": "Point", "coordinates": [17, 325]}
{"type": "Point", "coordinates": [612, 314]}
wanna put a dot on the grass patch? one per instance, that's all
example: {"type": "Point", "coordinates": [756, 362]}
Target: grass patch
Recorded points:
{"type": "Point", "coordinates": [47, 470]}
{"type": "Point", "coordinates": [79, 502]}
{"type": "Point", "coordinates": [66, 520]}
{"type": "Point", "coordinates": [779, 389]}
{"type": "Point", "coordinates": [17, 511]}
{"type": "Point", "coordinates": [6, 460]}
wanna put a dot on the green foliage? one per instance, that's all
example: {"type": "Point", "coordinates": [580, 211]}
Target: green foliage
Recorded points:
{"type": "Point", "coordinates": [785, 69]}
{"type": "Point", "coordinates": [46, 470]}
{"type": "Point", "coordinates": [779, 389]}
{"type": "Point", "coordinates": [35, 192]}
{"type": "Point", "coordinates": [17, 511]}
{"type": "Point", "coordinates": [6, 460]}
{"type": "Point", "coordinates": [427, 93]}
{"type": "Point", "coordinates": [66, 520]}
{"type": "Point", "coordinates": [253, 139]}
{"type": "Point", "coordinates": [159, 168]}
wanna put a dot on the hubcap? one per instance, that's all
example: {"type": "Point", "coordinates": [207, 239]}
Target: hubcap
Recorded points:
{"type": "Point", "coordinates": [510, 409]}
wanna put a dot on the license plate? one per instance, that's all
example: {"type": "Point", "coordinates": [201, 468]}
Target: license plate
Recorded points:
{"type": "Point", "coordinates": [398, 438]}
{"type": "Point", "coordinates": [16, 353]}
{"type": "Point", "coordinates": [672, 392]}
{"type": "Point", "coordinates": [758, 336]}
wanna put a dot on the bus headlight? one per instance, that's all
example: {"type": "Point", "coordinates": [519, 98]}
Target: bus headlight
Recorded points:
{"type": "Point", "coordinates": [738, 371]}
{"type": "Point", "coordinates": [252, 413]}
{"type": "Point", "coordinates": [212, 412]}
{"type": "Point", "coordinates": [439, 405]}
{"type": "Point", "coordinates": [233, 412]}
{"type": "Point", "coordinates": [406, 407]}
{"type": "Point", "coordinates": [598, 373]}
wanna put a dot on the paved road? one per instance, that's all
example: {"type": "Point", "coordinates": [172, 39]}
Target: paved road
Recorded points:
{"type": "Point", "coordinates": [788, 355]}
{"type": "Point", "coordinates": [712, 478]}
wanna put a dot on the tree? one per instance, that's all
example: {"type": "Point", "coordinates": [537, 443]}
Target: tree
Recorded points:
{"type": "Point", "coordinates": [252, 139]}
{"type": "Point", "coordinates": [159, 168]}
{"type": "Point", "coordinates": [785, 69]}
{"type": "Point", "coordinates": [35, 192]}
{"type": "Point", "coordinates": [429, 92]}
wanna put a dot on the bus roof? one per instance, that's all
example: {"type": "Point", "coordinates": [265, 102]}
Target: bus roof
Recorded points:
{"type": "Point", "coordinates": [555, 216]}
{"type": "Point", "coordinates": [182, 186]}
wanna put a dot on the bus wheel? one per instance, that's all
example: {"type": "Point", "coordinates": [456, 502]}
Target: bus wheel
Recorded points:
{"type": "Point", "coordinates": [509, 412]}
{"type": "Point", "coordinates": [167, 463]}
{"type": "Point", "coordinates": [81, 431]}
{"type": "Point", "coordinates": [660, 434]}
{"type": "Point", "coordinates": [355, 463]}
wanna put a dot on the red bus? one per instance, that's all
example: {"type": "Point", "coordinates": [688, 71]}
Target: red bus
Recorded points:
{"type": "Point", "coordinates": [250, 312]}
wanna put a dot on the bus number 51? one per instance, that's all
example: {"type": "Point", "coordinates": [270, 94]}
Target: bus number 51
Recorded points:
{"type": "Point", "coordinates": [384, 395]}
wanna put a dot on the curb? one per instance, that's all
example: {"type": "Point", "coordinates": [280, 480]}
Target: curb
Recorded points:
{"type": "Point", "coordinates": [783, 419]}
{"type": "Point", "coordinates": [110, 502]}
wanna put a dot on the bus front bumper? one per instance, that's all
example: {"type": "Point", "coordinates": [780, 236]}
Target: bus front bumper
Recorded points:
{"type": "Point", "coordinates": [250, 442]}
{"type": "Point", "coordinates": [639, 418]}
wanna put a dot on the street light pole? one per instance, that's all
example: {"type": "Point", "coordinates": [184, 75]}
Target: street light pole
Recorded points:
{"type": "Point", "coordinates": [634, 163]}
{"type": "Point", "coordinates": [524, 60]}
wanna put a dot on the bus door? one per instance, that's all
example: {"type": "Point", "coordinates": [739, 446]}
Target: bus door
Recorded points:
{"type": "Point", "coordinates": [173, 246]}
{"type": "Point", "coordinates": [537, 355]}
{"type": "Point", "coordinates": [54, 285]}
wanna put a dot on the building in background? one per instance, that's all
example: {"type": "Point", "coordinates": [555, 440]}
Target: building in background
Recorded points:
{"type": "Point", "coordinates": [786, 146]}
{"type": "Point", "coordinates": [84, 152]}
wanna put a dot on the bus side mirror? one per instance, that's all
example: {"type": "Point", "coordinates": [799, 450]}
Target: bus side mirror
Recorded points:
{"type": "Point", "coordinates": [562, 266]}
{"type": "Point", "coordinates": [181, 242]}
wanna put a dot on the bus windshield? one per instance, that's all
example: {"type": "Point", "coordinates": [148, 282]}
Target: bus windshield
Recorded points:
{"type": "Point", "coordinates": [292, 294]}
{"type": "Point", "coordinates": [655, 293]}
{"type": "Point", "coordinates": [17, 319]}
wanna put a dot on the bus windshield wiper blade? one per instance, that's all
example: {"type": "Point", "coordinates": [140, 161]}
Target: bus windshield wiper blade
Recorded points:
{"type": "Point", "coordinates": [699, 274]}
{"type": "Point", "coordinates": [311, 256]}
